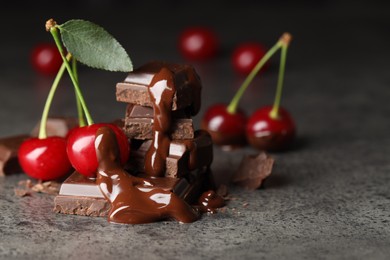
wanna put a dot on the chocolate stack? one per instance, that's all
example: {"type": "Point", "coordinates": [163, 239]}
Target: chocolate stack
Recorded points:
{"type": "Point", "coordinates": [139, 119]}
{"type": "Point", "coordinates": [161, 99]}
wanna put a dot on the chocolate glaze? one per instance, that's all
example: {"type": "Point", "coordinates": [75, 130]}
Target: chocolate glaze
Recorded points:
{"type": "Point", "coordinates": [161, 91]}
{"type": "Point", "coordinates": [134, 200]}
{"type": "Point", "coordinates": [209, 201]}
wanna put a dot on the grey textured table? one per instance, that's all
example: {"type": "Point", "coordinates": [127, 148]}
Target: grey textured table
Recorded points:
{"type": "Point", "coordinates": [328, 198]}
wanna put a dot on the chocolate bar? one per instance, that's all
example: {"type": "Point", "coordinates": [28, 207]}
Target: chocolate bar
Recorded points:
{"type": "Point", "coordinates": [9, 147]}
{"type": "Point", "coordinates": [57, 126]}
{"type": "Point", "coordinates": [138, 123]}
{"type": "Point", "coordinates": [136, 111]}
{"type": "Point", "coordinates": [142, 128]}
{"type": "Point", "coordinates": [184, 155]}
{"type": "Point", "coordinates": [81, 196]}
{"type": "Point", "coordinates": [134, 89]}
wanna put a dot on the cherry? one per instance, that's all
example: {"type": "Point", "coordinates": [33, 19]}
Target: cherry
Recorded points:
{"type": "Point", "coordinates": [81, 148]}
{"type": "Point", "coordinates": [227, 124]}
{"type": "Point", "coordinates": [267, 133]}
{"type": "Point", "coordinates": [246, 56]}
{"type": "Point", "coordinates": [46, 59]}
{"type": "Point", "coordinates": [226, 129]}
{"type": "Point", "coordinates": [272, 128]}
{"type": "Point", "coordinates": [198, 43]}
{"type": "Point", "coordinates": [44, 159]}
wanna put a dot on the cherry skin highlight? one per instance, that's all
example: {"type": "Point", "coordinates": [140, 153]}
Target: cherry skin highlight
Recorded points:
{"type": "Point", "coordinates": [246, 56]}
{"type": "Point", "coordinates": [81, 148]}
{"type": "Point", "coordinates": [44, 159]}
{"type": "Point", "coordinates": [226, 129]}
{"type": "Point", "coordinates": [198, 43]}
{"type": "Point", "coordinates": [269, 134]}
{"type": "Point", "coordinates": [45, 59]}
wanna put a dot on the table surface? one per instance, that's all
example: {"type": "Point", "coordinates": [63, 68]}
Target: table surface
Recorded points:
{"type": "Point", "coordinates": [327, 198]}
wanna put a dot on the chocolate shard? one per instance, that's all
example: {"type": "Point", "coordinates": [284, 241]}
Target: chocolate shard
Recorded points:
{"type": "Point", "coordinates": [57, 126]}
{"type": "Point", "coordinates": [134, 89]}
{"type": "Point", "coordinates": [81, 196]}
{"type": "Point", "coordinates": [253, 170]}
{"type": "Point", "coordinates": [9, 147]}
{"type": "Point", "coordinates": [142, 128]}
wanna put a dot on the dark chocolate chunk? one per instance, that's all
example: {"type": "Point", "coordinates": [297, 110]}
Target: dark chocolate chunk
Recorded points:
{"type": "Point", "coordinates": [253, 170]}
{"type": "Point", "coordinates": [135, 111]}
{"type": "Point", "coordinates": [142, 128]}
{"type": "Point", "coordinates": [184, 155]}
{"type": "Point", "coordinates": [9, 147]}
{"type": "Point", "coordinates": [134, 89]}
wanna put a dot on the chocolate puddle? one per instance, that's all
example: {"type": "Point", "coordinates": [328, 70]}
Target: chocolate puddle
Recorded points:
{"type": "Point", "coordinates": [209, 201]}
{"type": "Point", "coordinates": [134, 200]}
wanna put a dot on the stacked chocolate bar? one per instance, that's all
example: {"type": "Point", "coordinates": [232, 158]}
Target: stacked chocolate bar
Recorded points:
{"type": "Point", "coordinates": [139, 118]}
{"type": "Point", "coordinates": [187, 155]}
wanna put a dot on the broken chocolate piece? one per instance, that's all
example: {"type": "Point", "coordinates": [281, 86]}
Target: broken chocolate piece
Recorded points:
{"type": "Point", "coordinates": [134, 89]}
{"type": "Point", "coordinates": [57, 126]}
{"type": "Point", "coordinates": [184, 155]}
{"type": "Point", "coordinates": [81, 196]}
{"type": "Point", "coordinates": [9, 147]}
{"type": "Point", "coordinates": [142, 128]}
{"type": "Point", "coordinates": [27, 188]}
{"type": "Point", "coordinates": [81, 205]}
{"type": "Point", "coordinates": [135, 111]}
{"type": "Point", "coordinates": [253, 170]}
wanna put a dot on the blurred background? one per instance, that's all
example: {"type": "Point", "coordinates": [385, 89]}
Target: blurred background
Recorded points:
{"type": "Point", "coordinates": [337, 63]}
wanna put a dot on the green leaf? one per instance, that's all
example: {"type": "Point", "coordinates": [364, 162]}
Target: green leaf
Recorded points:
{"type": "Point", "coordinates": [95, 47]}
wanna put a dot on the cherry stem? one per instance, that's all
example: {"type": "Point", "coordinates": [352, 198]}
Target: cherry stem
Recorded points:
{"type": "Point", "coordinates": [274, 114]}
{"type": "Point", "coordinates": [232, 108]}
{"type": "Point", "coordinates": [54, 33]}
{"type": "Point", "coordinates": [42, 128]}
{"type": "Point", "coordinates": [80, 112]}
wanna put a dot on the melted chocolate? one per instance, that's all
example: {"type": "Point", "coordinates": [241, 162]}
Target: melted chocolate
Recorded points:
{"type": "Point", "coordinates": [209, 201]}
{"type": "Point", "coordinates": [161, 91]}
{"type": "Point", "coordinates": [134, 200]}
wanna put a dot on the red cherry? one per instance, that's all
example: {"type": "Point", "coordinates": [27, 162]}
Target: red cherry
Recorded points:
{"type": "Point", "coordinates": [246, 56]}
{"type": "Point", "coordinates": [46, 59]}
{"type": "Point", "coordinates": [198, 43]}
{"type": "Point", "coordinates": [265, 133]}
{"type": "Point", "coordinates": [81, 148]}
{"type": "Point", "coordinates": [226, 129]}
{"type": "Point", "coordinates": [44, 159]}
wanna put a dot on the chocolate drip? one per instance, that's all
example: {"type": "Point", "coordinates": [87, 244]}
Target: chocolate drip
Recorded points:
{"type": "Point", "coordinates": [161, 91]}
{"type": "Point", "coordinates": [209, 201]}
{"type": "Point", "coordinates": [134, 200]}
